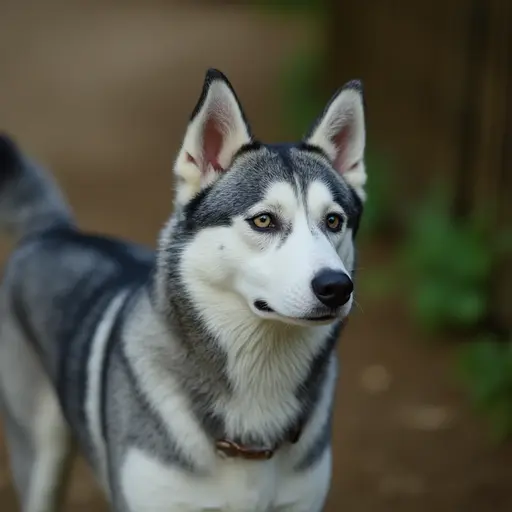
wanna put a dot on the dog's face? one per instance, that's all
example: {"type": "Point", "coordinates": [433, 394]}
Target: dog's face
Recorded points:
{"type": "Point", "coordinates": [271, 226]}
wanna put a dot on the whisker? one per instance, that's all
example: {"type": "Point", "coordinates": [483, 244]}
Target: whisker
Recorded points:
{"type": "Point", "coordinates": [358, 306]}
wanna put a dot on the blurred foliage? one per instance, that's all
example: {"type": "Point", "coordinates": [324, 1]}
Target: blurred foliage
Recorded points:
{"type": "Point", "coordinates": [450, 264]}
{"type": "Point", "coordinates": [443, 266]}
{"type": "Point", "coordinates": [381, 210]}
{"type": "Point", "coordinates": [486, 370]}
{"type": "Point", "coordinates": [301, 101]}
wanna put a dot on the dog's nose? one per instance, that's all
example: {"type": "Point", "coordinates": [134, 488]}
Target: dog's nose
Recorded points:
{"type": "Point", "coordinates": [332, 287]}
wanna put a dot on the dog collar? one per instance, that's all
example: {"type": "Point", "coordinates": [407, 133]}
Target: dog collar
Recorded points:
{"type": "Point", "coordinates": [232, 449]}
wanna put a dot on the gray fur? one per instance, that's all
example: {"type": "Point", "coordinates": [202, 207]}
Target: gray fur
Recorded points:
{"type": "Point", "coordinates": [31, 201]}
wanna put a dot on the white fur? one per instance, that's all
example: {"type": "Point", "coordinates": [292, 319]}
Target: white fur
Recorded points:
{"type": "Point", "coordinates": [320, 202]}
{"type": "Point", "coordinates": [52, 448]}
{"type": "Point", "coordinates": [265, 373]}
{"type": "Point", "coordinates": [234, 486]}
{"type": "Point", "coordinates": [345, 111]}
{"type": "Point", "coordinates": [93, 395]}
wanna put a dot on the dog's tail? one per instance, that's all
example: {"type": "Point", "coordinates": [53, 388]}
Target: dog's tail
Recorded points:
{"type": "Point", "coordinates": [30, 200]}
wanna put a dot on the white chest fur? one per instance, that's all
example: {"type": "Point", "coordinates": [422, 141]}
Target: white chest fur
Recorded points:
{"type": "Point", "coordinates": [233, 486]}
{"type": "Point", "coordinates": [230, 485]}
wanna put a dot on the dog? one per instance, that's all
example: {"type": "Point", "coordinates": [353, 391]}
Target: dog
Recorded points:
{"type": "Point", "coordinates": [199, 376]}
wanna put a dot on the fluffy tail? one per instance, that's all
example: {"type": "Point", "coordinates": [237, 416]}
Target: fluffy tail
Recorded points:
{"type": "Point", "coordinates": [30, 200]}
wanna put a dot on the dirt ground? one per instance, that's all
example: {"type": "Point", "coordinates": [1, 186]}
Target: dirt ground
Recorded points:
{"type": "Point", "coordinates": [102, 94]}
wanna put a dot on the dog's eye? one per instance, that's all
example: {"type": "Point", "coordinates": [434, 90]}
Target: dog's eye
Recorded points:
{"type": "Point", "coordinates": [334, 222]}
{"type": "Point", "coordinates": [263, 221]}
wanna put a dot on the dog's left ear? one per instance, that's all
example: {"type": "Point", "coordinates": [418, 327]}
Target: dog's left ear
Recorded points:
{"type": "Point", "coordinates": [340, 133]}
{"type": "Point", "coordinates": [216, 131]}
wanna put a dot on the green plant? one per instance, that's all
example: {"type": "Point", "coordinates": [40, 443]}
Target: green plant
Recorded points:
{"type": "Point", "coordinates": [301, 100]}
{"type": "Point", "coordinates": [450, 263]}
{"type": "Point", "coordinates": [485, 367]}
{"type": "Point", "coordinates": [380, 212]}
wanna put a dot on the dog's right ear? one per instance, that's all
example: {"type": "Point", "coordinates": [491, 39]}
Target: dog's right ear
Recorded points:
{"type": "Point", "coordinates": [216, 131]}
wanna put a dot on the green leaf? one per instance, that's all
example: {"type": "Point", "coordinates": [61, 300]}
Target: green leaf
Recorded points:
{"type": "Point", "coordinates": [469, 308]}
{"type": "Point", "coordinates": [503, 243]}
{"type": "Point", "coordinates": [486, 369]}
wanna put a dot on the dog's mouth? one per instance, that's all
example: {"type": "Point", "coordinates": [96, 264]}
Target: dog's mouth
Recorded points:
{"type": "Point", "coordinates": [263, 306]}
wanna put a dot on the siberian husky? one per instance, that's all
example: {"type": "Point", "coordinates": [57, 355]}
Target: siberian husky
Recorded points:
{"type": "Point", "coordinates": [199, 377]}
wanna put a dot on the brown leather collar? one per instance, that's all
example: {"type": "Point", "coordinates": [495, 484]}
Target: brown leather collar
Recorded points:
{"type": "Point", "coordinates": [232, 449]}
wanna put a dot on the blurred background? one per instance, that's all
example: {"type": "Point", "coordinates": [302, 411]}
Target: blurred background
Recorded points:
{"type": "Point", "coordinates": [101, 91]}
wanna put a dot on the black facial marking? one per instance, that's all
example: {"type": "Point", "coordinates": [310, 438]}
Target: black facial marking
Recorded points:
{"type": "Point", "coordinates": [311, 148]}
{"type": "Point", "coordinates": [355, 217]}
{"type": "Point", "coordinates": [263, 306]}
{"type": "Point", "coordinates": [246, 148]}
{"type": "Point", "coordinates": [197, 217]}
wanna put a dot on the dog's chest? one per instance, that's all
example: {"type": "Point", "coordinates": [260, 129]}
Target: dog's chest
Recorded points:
{"type": "Point", "coordinates": [234, 485]}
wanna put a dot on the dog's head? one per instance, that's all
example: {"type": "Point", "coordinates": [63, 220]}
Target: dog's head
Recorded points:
{"type": "Point", "coordinates": [270, 228]}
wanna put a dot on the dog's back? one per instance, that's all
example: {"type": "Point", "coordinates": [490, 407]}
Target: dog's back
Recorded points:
{"type": "Point", "coordinates": [55, 279]}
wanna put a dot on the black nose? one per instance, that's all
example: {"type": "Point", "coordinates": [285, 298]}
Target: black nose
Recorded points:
{"type": "Point", "coordinates": [332, 287]}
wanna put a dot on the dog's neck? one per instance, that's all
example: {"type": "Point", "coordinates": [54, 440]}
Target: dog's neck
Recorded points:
{"type": "Point", "coordinates": [250, 380]}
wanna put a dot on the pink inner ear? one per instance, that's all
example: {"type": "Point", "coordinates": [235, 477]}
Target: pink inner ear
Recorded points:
{"type": "Point", "coordinates": [190, 158]}
{"type": "Point", "coordinates": [212, 144]}
{"type": "Point", "coordinates": [341, 141]}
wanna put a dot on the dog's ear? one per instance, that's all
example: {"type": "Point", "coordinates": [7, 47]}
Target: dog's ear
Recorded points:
{"type": "Point", "coordinates": [340, 133]}
{"type": "Point", "coordinates": [216, 131]}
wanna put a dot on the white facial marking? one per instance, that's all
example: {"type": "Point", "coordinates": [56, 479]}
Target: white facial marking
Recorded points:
{"type": "Point", "coordinates": [320, 201]}
{"type": "Point", "coordinates": [282, 196]}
